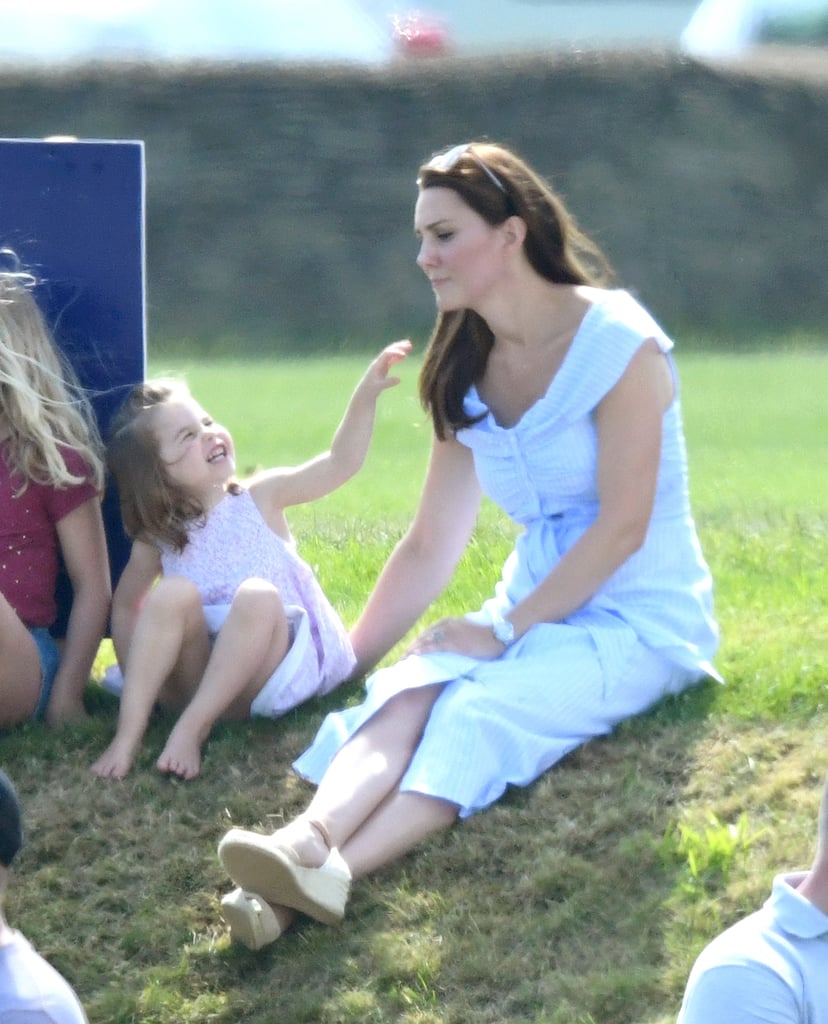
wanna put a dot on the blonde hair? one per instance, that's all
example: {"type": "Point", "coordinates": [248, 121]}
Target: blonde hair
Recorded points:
{"type": "Point", "coordinates": [42, 405]}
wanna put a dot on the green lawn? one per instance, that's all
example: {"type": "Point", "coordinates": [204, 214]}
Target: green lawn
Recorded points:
{"type": "Point", "coordinates": [581, 900]}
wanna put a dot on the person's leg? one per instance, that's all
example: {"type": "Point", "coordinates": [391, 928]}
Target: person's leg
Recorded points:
{"type": "Point", "coordinates": [300, 865]}
{"type": "Point", "coordinates": [397, 824]}
{"type": "Point", "coordinates": [20, 669]}
{"type": "Point", "coordinates": [167, 655]}
{"type": "Point", "coordinates": [395, 828]}
{"type": "Point", "coordinates": [250, 646]}
{"type": "Point", "coordinates": [364, 773]}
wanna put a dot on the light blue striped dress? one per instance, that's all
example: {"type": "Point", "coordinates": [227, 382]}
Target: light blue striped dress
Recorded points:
{"type": "Point", "coordinates": [649, 630]}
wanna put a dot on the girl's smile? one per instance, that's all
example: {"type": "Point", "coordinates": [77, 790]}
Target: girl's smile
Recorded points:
{"type": "Point", "coordinates": [197, 452]}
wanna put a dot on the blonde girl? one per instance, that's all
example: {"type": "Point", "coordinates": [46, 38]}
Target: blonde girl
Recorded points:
{"type": "Point", "coordinates": [51, 480]}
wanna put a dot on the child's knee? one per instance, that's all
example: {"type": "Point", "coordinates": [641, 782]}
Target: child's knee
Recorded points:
{"type": "Point", "coordinates": [173, 595]}
{"type": "Point", "coordinates": [257, 596]}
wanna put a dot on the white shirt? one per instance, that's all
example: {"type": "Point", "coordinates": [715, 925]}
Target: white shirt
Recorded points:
{"type": "Point", "coordinates": [32, 991]}
{"type": "Point", "coordinates": [769, 968]}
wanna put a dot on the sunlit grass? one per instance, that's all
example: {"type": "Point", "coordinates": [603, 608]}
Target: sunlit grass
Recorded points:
{"type": "Point", "coordinates": [581, 900]}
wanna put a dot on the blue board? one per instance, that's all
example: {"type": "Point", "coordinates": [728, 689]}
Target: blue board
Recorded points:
{"type": "Point", "coordinates": [73, 211]}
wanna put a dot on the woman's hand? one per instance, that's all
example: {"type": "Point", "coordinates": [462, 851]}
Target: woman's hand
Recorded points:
{"type": "Point", "coordinates": [461, 636]}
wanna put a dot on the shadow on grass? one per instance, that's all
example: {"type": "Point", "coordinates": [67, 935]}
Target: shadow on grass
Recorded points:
{"type": "Point", "coordinates": [548, 907]}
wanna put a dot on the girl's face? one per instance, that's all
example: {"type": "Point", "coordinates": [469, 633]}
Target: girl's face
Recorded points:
{"type": "Point", "coordinates": [459, 251]}
{"type": "Point", "coordinates": [197, 453]}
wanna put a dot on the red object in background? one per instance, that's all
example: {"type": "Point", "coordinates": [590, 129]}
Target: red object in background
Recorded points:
{"type": "Point", "coordinates": [418, 34]}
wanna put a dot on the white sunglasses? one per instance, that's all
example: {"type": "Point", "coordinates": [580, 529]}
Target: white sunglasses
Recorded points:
{"type": "Point", "coordinates": [444, 162]}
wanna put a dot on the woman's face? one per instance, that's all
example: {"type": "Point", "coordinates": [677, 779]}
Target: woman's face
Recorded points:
{"type": "Point", "coordinates": [197, 453]}
{"type": "Point", "coordinates": [460, 253]}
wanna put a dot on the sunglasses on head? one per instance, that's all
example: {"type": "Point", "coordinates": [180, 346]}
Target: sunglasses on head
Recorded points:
{"type": "Point", "coordinates": [444, 162]}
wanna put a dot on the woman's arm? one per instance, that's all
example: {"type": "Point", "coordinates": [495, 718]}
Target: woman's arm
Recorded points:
{"type": "Point", "coordinates": [140, 572]}
{"type": "Point", "coordinates": [423, 562]}
{"type": "Point", "coordinates": [276, 489]}
{"type": "Point", "coordinates": [83, 547]}
{"type": "Point", "coordinates": [629, 425]}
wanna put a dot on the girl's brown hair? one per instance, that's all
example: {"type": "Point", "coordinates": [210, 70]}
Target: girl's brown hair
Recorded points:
{"type": "Point", "coordinates": [153, 507]}
{"type": "Point", "coordinates": [497, 184]}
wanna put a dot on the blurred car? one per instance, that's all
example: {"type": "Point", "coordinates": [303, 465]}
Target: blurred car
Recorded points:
{"type": "Point", "coordinates": [501, 27]}
{"type": "Point", "coordinates": [418, 34]}
{"type": "Point", "coordinates": [728, 27]}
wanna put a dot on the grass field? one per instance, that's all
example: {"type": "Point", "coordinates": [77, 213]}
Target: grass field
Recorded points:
{"type": "Point", "coordinates": [580, 900]}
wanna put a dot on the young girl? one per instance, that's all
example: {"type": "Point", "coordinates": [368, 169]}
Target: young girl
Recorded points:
{"type": "Point", "coordinates": [51, 478]}
{"type": "Point", "coordinates": [237, 624]}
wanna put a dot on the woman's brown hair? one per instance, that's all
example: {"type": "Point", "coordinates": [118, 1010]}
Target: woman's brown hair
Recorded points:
{"type": "Point", "coordinates": [496, 184]}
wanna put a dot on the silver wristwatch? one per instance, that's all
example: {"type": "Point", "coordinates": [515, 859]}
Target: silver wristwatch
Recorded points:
{"type": "Point", "coordinates": [503, 630]}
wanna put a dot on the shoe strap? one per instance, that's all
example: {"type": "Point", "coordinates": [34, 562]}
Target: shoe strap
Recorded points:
{"type": "Point", "coordinates": [320, 828]}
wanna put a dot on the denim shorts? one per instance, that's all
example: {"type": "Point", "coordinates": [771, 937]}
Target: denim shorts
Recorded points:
{"type": "Point", "coordinates": [49, 653]}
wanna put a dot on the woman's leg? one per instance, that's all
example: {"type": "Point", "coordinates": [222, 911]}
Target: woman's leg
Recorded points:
{"type": "Point", "coordinates": [250, 646]}
{"type": "Point", "coordinates": [357, 807]}
{"type": "Point", "coordinates": [400, 824]}
{"type": "Point", "coordinates": [362, 776]}
{"type": "Point", "coordinates": [20, 670]}
{"type": "Point", "coordinates": [167, 655]}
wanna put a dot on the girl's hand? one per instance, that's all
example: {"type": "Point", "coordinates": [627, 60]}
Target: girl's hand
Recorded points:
{"type": "Point", "coordinates": [460, 636]}
{"type": "Point", "coordinates": [376, 377]}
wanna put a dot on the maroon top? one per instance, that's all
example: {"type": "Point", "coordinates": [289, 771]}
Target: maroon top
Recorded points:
{"type": "Point", "coordinates": [28, 538]}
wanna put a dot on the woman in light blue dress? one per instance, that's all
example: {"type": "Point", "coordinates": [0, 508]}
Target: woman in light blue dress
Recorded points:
{"type": "Point", "coordinates": [558, 398]}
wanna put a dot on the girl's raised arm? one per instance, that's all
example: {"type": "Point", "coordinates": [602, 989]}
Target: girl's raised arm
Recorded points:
{"type": "Point", "coordinates": [276, 489]}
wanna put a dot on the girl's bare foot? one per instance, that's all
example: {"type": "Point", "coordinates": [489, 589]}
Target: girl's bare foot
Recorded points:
{"type": "Point", "coordinates": [116, 761]}
{"type": "Point", "coordinates": [181, 755]}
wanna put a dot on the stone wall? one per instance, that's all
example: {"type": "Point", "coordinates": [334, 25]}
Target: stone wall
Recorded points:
{"type": "Point", "coordinates": [279, 199]}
